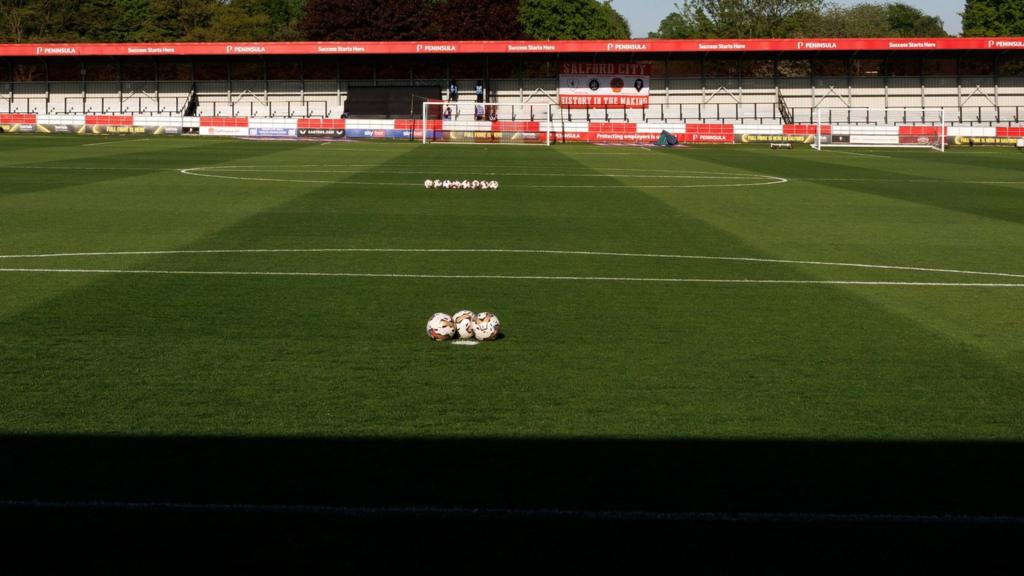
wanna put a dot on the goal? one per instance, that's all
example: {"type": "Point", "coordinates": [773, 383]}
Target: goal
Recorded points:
{"type": "Point", "coordinates": [881, 128]}
{"type": "Point", "coordinates": [488, 122]}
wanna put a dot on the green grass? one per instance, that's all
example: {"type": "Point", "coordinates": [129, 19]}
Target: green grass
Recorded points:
{"type": "Point", "coordinates": [335, 356]}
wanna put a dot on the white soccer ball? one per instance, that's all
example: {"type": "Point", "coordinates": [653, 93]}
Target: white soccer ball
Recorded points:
{"type": "Point", "coordinates": [486, 326]}
{"type": "Point", "coordinates": [465, 184]}
{"type": "Point", "coordinates": [464, 324]}
{"type": "Point", "coordinates": [494, 184]}
{"type": "Point", "coordinates": [476, 184]}
{"type": "Point", "coordinates": [440, 327]}
{"type": "Point", "coordinates": [447, 184]}
{"type": "Point", "coordinates": [437, 183]}
{"type": "Point", "coordinates": [428, 183]}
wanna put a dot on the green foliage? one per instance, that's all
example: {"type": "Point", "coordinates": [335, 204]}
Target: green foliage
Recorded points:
{"type": "Point", "coordinates": [571, 20]}
{"type": "Point", "coordinates": [366, 20]}
{"type": "Point", "coordinates": [739, 18]}
{"type": "Point", "coordinates": [475, 20]}
{"type": "Point", "coordinates": [795, 18]}
{"type": "Point", "coordinates": [252, 20]}
{"type": "Point", "coordinates": [676, 25]}
{"type": "Point", "coordinates": [148, 20]}
{"type": "Point", "coordinates": [993, 18]}
{"type": "Point", "coordinates": [907, 21]}
{"type": "Point", "coordinates": [25, 20]}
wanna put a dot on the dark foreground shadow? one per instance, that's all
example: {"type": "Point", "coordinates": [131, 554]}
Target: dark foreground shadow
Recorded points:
{"type": "Point", "coordinates": [243, 505]}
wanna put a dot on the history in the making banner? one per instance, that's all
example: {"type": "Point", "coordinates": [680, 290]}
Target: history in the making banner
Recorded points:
{"type": "Point", "coordinates": [604, 85]}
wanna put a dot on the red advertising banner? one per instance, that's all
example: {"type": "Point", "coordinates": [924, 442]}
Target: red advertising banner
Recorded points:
{"type": "Point", "coordinates": [512, 47]}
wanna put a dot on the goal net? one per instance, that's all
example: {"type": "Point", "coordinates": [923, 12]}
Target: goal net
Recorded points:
{"type": "Point", "coordinates": [881, 128]}
{"type": "Point", "coordinates": [488, 122]}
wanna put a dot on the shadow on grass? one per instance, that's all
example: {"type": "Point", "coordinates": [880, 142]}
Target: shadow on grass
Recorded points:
{"type": "Point", "coordinates": [249, 504]}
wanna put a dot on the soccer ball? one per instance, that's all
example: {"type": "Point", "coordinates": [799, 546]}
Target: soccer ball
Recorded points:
{"type": "Point", "coordinates": [486, 326]}
{"type": "Point", "coordinates": [428, 183]}
{"type": "Point", "coordinates": [440, 327]}
{"type": "Point", "coordinates": [494, 184]}
{"type": "Point", "coordinates": [464, 324]}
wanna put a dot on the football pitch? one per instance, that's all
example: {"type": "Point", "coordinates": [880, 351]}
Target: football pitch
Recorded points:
{"type": "Point", "coordinates": [194, 287]}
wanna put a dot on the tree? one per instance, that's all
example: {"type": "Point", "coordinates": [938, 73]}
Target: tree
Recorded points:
{"type": "Point", "coordinates": [366, 20]}
{"type": "Point", "coordinates": [675, 25]}
{"type": "Point", "coordinates": [282, 16]}
{"type": "Point", "coordinates": [740, 19]}
{"type": "Point", "coordinates": [12, 21]}
{"type": "Point", "coordinates": [129, 20]}
{"type": "Point", "coordinates": [617, 25]}
{"type": "Point", "coordinates": [232, 22]}
{"type": "Point", "coordinates": [29, 20]}
{"type": "Point", "coordinates": [993, 18]}
{"type": "Point", "coordinates": [907, 22]}
{"type": "Point", "coordinates": [795, 18]}
{"type": "Point", "coordinates": [858, 21]}
{"type": "Point", "coordinates": [571, 20]}
{"type": "Point", "coordinates": [176, 19]}
{"type": "Point", "coordinates": [475, 20]}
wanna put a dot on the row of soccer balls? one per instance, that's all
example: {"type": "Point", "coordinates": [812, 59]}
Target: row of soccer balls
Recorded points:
{"type": "Point", "coordinates": [462, 184]}
{"type": "Point", "coordinates": [465, 325]}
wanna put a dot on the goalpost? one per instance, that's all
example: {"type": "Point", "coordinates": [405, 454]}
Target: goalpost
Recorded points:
{"type": "Point", "coordinates": [881, 128]}
{"type": "Point", "coordinates": [488, 122]}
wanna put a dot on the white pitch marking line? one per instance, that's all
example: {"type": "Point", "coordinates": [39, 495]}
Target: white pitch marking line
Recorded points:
{"type": "Point", "coordinates": [598, 154]}
{"type": "Point", "coordinates": [99, 168]}
{"type": "Point", "coordinates": [511, 251]}
{"type": "Point", "coordinates": [914, 180]}
{"type": "Point", "coordinates": [532, 168]}
{"type": "Point", "coordinates": [859, 154]}
{"type": "Point", "coordinates": [298, 167]}
{"type": "Point", "coordinates": [752, 178]}
{"type": "Point", "coordinates": [681, 176]}
{"type": "Point", "coordinates": [118, 141]}
{"type": "Point", "coordinates": [736, 177]}
{"type": "Point", "coordinates": [505, 277]}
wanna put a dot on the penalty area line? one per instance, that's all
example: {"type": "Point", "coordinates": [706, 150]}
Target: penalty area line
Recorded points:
{"type": "Point", "coordinates": [118, 141]}
{"type": "Point", "coordinates": [747, 281]}
{"type": "Point", "coordinates": [511, 251]}
{"type": "Point", "coordinates": [857, 154]}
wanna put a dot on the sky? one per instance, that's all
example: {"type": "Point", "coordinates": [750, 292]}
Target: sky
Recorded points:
{"type": "Point", "coordinates": [645, 15]}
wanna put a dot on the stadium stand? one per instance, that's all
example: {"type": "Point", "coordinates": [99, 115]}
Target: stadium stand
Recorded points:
{"type": "Point", "coordinates": [977, 82]}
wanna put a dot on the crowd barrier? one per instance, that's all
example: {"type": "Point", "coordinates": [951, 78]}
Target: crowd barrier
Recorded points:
{"type": "Point", "coordinates": [457, 130]}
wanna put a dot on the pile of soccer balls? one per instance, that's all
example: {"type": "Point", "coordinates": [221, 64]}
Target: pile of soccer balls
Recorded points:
{"type": "Point", "coordinates": [462, 184]}
{"type": "Point", "coordinates": [464, 325]}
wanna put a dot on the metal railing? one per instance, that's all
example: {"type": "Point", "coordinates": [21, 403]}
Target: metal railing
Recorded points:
{"type": "Point", "coordinates": [720, 113]}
